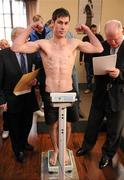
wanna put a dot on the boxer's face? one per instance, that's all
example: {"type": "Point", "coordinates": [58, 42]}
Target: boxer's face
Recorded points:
{"type": "Point", "coordinates": [61, 26]}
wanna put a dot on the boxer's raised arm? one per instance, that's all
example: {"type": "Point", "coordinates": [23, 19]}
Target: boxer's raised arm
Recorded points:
{"type": "Point", "coordinates": [94, 46]}
{"type": "Point", "coordinates": [21, 43]}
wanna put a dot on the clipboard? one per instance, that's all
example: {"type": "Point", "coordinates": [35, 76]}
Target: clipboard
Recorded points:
{"type": "Point", "coordinates": [22, 87]}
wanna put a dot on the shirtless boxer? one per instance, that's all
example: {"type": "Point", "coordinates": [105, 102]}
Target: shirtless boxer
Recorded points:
{"type": "Point", "coordinates": [58, 55]}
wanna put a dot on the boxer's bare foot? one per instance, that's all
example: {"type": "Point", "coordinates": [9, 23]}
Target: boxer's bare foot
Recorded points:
{"type": "Point", "coordinates": [53, 158]}
{"type": "Point", "coordinates": [66, 158]}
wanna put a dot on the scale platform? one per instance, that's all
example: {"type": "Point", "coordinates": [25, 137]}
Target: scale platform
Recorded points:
{"type": "Point", "coordinates": [46, 175]}
{"type": "Point", "coordinates": [68, 167]}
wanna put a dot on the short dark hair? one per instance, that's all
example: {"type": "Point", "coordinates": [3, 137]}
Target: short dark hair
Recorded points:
{"type": "Point", "coordinates": [48, 22]}
{"type": "Point", "coordinates": [93, 26]}
{"type": "Point", "coordinates": [60, 12]}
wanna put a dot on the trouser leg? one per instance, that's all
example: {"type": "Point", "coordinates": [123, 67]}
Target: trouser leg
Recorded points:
{"type": "Point", "coordinates": [19, 128]}
{"type": "Point", "coordinates": [115, 123]}
{"type": "Point", "coordinates": [94, 123]}
{"type": "Point", "coordinates": [89, 73]}
{"type": "Point", "coordinates": [5, 121]}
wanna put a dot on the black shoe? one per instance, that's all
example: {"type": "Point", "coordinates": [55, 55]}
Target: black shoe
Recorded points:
{"type": "Point", "coordinates": [104, 162]}
{"type": "Point", "coordinates": [29, 147]}
{"type": "Point", "coordinates": [20, 156]}
{"type": "Point", "coordinates": [82, 151]}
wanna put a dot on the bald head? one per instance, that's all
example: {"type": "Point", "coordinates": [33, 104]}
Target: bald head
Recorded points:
{"type": "Point", "coordinates": [16, 32]}
{"type": "Point", "coordinates": [114, 32]}
{"type": "Point", "coordinates": [113, 26]}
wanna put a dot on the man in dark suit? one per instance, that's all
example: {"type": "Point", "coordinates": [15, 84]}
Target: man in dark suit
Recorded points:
{"type": "Point", "coordinates": [108, 99]}
{"type": "Point", "coordinates": [19, 108]}
{"type": "Point", "coordinates": [88, 59]}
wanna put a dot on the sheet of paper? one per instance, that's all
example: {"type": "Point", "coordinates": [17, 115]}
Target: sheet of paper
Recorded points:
{"type": "Point", "coordinates": [22, 87]}
{"type": "Point", "coordinates": [103, 63]}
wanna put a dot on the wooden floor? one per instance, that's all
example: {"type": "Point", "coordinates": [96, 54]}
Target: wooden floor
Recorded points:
{"type": "Point", "coordinates": [87, 166]}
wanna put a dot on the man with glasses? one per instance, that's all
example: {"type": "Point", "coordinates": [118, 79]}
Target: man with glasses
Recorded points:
{"type": "Point", "coordinates": [108, 99]}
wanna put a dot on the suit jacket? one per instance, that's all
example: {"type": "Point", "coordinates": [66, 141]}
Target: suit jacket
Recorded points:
{"type": "Point", "coordinates": [10, 74]}
{"type": "Point", "coordinates": [116, 92]}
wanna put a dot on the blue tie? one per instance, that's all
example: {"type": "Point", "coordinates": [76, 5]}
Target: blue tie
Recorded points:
{"type": "Point", "coordinates": [23, 64]}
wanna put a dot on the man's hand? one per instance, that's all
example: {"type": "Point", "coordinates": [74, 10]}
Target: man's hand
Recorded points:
{"type": "Point", "coordinates": [82, 28]}
{"type": "Point", "coordinates": [3, 107]}
{"type": "Point", "coordinates": [114, 73]}
{"type": "Point", "coordinates": [37, 26]}
{"type": "Point", "coordinates": [32, 83]}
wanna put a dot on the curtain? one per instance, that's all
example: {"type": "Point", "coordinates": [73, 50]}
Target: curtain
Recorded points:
{"type": "Point", "coordinates": [31, 7]}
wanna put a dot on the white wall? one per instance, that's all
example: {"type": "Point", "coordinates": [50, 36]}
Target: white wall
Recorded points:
{"type": "Point", "coordinates": [112, 9]}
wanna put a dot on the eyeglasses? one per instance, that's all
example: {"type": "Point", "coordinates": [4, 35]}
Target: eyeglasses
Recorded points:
{"type": "Point", "coordinates": [115, 40]}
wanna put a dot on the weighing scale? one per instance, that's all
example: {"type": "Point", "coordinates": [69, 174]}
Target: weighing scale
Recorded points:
{"type": "Point", "coordinates": [62, 101]}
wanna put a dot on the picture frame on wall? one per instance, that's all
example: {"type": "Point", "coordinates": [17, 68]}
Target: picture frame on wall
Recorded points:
{"type": "Point", "coordinates": [90, 12]}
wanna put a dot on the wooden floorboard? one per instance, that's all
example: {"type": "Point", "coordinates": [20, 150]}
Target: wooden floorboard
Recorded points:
{"type": "Point", "coordinates": [87, 166]}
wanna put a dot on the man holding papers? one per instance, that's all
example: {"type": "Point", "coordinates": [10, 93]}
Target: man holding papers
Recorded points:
{"type": "Point", "coordinates": [108, 99]}
{"type": "Point", "coordinates": [20, 108]}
